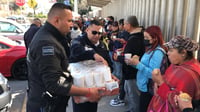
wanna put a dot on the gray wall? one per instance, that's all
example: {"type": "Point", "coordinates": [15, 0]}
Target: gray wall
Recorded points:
{"type": "Point", "coordinates": [175, 17]}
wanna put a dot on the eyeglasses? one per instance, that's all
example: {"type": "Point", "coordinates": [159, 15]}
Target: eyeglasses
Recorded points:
{"type": "Point", "coordinates": [74, 28]}
{"type": "Point", "coordinates": [95, 32]}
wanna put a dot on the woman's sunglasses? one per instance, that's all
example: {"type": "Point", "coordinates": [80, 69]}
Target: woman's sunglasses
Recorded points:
{"type": "Point", "coordinates": [95, 32]}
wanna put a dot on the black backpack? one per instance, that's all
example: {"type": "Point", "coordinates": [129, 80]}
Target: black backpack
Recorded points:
{"type": "Point", "coordinates": [164, 65]}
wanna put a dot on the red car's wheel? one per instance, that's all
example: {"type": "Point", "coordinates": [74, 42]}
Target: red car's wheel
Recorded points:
{"type": "Point", "coordinates": [19, 69]}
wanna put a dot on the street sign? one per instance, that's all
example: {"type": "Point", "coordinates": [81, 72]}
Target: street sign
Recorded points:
{"type": "Point", "coordinates": [32, 3]}
{"type": "Point", "coordinates": [66, 2]}
{"type": "Point", "coordinates": [20, 2]}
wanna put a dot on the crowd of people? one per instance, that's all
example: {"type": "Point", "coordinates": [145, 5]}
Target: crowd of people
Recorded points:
{"type": "Point", "coordinates": [133, 53]}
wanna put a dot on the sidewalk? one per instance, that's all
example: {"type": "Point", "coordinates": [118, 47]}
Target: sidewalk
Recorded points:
{"type": "Point", "coordinates": [103, 106]}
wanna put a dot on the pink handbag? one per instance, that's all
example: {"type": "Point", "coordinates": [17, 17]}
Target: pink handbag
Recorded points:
{"type": "Point", "coordinates": [165, 105]}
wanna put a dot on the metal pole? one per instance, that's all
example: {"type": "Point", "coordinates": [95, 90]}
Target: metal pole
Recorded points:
{"type": "Point", "coordinates": [76, 6]}
{"type": "Point", "coordinates": [21, 14]}
{"type": "Point", "coordinates": [8, 8]}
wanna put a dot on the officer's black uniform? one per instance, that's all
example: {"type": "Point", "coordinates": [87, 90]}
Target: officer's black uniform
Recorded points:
{"type": "Point", "coordinates": [47, 68]}
{"type": "Point", "coordinates": [82, 49]}
{"type": "Point", "coordinates": [28, 36]}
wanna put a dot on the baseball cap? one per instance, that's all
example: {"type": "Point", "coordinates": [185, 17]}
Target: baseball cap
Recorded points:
{"type": "Point", "coordinates": [182, 42]}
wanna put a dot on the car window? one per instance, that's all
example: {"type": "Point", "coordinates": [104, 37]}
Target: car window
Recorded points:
{"type": "Point", "coordinates": [3, 46]}
{"type": "Point", "coordinates": [6, 27]}
{"type": "Point", "coordinates": [20, 20]}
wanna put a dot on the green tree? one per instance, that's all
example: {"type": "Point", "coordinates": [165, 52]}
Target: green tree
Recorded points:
{"type": "Point", "coordinates": [84, 11]}
{"type": "Point", "coordinates": [3, 1]}
{"type": "Point", "coordinates": [13, 6]}
{"type": "Point", "coordinates": [83, 8]}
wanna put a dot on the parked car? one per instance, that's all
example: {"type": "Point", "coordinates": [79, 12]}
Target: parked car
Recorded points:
{"type": "Point", "coordinates": [17, 18]}
{"type": "Point", "coordinates": [26, 25]}
{"type": "Point", "coordinates": [11, 29]}
{"type": "Point", "coordinates": [12, 58]}
{"type": "Point", "coordinates": [5, 95]}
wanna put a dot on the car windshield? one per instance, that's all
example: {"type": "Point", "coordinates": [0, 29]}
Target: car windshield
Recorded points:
{"type": "Point", "coordinates": [7, 26]}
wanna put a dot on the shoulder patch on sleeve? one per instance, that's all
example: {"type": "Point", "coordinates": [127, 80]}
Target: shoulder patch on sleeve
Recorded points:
{"type": "Point", "coordinates": [47, 50]}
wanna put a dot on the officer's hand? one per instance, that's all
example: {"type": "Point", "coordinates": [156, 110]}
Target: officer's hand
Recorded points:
{"type": "Point", "coordinates": [115, 78]}
{"type": "Point", "coordinates": [110, 93]}
{"type": "Point", "coordinates": [95, 94]}
{"type": "Point", "coordinates": [77, 99]}
{"type": "Point", "coordinates": [99, 58]}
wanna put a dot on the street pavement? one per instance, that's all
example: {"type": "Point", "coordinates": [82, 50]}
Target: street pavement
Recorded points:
{"type": "Point", "coordinates": [103, 106]}
{"type": "Point", "coordinates": [20, 99]}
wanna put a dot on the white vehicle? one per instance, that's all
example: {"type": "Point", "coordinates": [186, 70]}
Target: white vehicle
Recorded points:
{"type": "Point", "coordinates": [17, 18]}
{"type": "Point", "coordinates": [11, 29]}
{"type": "Point", "coordinates": [5, 95]}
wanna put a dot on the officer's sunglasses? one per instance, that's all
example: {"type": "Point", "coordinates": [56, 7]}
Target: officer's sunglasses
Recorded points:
{"type": "Point", "coordinates": [96, 32]}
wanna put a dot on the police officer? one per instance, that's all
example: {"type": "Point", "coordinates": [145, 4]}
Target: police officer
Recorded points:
{"type": "Point", "coordinates": [50, 83]}
{"type": "Point", "coordinates": [89, 47]}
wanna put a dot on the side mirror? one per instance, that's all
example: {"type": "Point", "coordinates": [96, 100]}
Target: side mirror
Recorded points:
{"type": "Point", "coordinates": [19, 31]}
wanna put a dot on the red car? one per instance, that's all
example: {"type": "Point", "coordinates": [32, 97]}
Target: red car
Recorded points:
{"type": "Point", "coordinates": [12, 58]}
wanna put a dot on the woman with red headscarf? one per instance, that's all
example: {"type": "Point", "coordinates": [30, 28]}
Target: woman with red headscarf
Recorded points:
{"type": "Point", "coordinates": [152, 58]}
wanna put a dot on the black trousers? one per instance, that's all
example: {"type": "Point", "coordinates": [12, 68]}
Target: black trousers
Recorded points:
{"type": "Point", "coordinates": [60, 106]}
{"type": "Point", "coordinates": [121, 89]}
{"type": "Point", "coordinates": [145, 99]}
{"type": "Point", "coordinates": [85, 107]}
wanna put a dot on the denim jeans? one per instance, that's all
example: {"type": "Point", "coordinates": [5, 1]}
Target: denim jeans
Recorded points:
{"type": "Point", "coordinates": [117, 66]}
{"type": "Point", "coordinates": [132, 95]}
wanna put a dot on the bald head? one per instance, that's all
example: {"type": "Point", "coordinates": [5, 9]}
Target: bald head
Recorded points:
{"type": "Point", "coordinates": [60, 16]}
{"type": "Point", "coordinates": [37, 22]}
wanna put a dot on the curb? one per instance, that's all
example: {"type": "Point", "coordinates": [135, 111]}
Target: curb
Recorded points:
{"type": "Point", "coordinates": [24, 103]}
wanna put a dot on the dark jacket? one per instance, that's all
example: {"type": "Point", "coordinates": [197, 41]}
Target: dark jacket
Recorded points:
{"type": "Point", "coordinates": [111, 43]}
{"type": "Point", "coordinates": [47, 67]}
{"type": "Point", "coordinates": [122, 35]}
{"type": "Point", "coordinates": [29, 34]}
{"type": "Point", "coordinates": [82, 49]}
{"type": "Point", "coordinates": [135, 46]}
